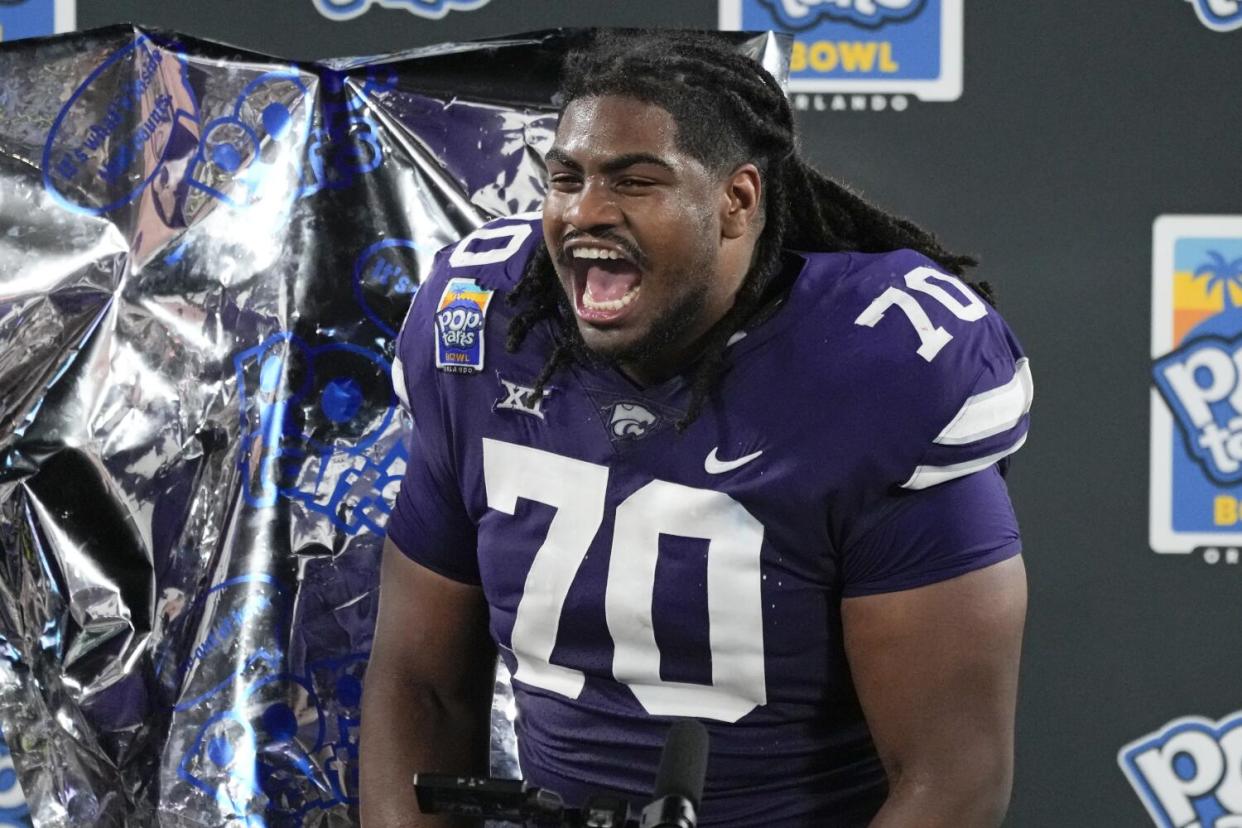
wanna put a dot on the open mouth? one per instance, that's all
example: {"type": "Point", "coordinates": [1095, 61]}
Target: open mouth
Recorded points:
{"type": "Point", "coordinates": [606, 283]}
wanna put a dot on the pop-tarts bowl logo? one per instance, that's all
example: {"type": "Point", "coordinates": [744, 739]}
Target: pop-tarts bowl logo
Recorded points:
{"type": "Point", "coordinates": [460, 320]}
{"type": "Point", "coordinates": [1186, 773]}
{"type": "Point", "coordinates": [1196, 404]}
{"type": "Point", "coordinates": [1201, 384]}
{"type": "Point", "coordinates": [899, 47]}
{"type": "Point", "coordinates": [430, 9]}
{"type": "Point", "coordinates": [1219, 15]}
{"type": "Point", "coordinates": [803, 14]}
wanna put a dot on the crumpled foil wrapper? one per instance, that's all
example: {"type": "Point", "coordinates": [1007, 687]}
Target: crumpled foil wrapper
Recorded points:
{"type": "Point", "coordinates": [205, 256]}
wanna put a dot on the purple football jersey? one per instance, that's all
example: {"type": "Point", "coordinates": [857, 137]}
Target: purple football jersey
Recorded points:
{"type": "Point", "coordinates": [636, 573]}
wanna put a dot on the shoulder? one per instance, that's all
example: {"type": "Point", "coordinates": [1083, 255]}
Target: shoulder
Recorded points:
{"type": "Point", "coordinates": [900, 308]}
{"type": "Point", "coordinates": [494, 255]}
{"type": "Point", "coordinates": [936, 373]}
{"type": "Point", "coordinates": [466, 284]}
{"type": "Point", "coordinates": [849, 285]}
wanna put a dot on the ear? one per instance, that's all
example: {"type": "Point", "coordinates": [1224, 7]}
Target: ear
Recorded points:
{"type": "Point", "coordinates": [739, 203]}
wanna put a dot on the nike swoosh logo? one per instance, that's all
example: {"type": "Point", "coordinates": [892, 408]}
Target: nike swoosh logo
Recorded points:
{"type": "Point", "coordinates": [714, 465]}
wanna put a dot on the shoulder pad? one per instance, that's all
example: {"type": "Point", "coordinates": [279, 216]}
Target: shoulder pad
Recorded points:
{"type": "Point", "coordinates": [495, 254]}
{"type": "Point", "coordinates": [941, 362]}
{"type": "Point", "coordinates": [465, 276]}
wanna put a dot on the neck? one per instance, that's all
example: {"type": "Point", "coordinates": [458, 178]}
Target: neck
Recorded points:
{"type": "Point", "coordinates": [681, 357]}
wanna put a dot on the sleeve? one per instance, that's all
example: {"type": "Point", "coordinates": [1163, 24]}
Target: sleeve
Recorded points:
{"type": "Point", "coordinates": [921, 537]}
{"type": "Point", "coordinates": [989, 425]}
{"type": "Point", "coordinates": [951, 404]}
{"type": "Point", "coordinates": [429, 522]}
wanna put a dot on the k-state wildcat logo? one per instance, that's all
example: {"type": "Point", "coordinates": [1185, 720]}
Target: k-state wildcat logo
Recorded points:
{"type": "Point", "coordinates": [430, 9]}
{"type": "Point", "coordinates": [803, 14]}
{"type": "Point", "coordinates": [1219, 15]}
{"type": "Point", "coordinates": [630, 420]}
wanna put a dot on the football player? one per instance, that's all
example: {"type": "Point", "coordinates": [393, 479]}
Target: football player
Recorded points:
{"type": "Point", "coordinates": [710, 437]}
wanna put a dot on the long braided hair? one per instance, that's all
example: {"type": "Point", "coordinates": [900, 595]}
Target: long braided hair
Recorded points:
{"type": "Point", "coordinates": [728, 111]}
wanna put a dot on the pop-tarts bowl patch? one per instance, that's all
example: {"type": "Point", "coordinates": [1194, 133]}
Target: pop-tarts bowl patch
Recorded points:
{"type": "Point", "coordinates": [460, 319]}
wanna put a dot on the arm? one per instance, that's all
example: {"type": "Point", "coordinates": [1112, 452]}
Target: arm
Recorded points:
{"type": "Point", "coordinates": [936, 670]}
{"type": "Point", "coordinates": [427, 696]}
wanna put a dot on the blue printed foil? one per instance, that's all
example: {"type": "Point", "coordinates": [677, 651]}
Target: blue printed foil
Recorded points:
{"type": "Point", "coordinates": [205, 256]}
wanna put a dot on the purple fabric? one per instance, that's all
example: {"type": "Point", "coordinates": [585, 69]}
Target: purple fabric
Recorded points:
{"type": "Point", "coordinates": [429, 511]}
{"type": "Point", "coordinates": [842, 412]}
{"type": "Point", "coordinates": [941, 532]}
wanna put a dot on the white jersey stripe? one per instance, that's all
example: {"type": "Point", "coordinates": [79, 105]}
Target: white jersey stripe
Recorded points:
{"type": "Point", "coordinates": [398, 382]}
{"type": "Point", "coordinates": [992, 411]}
{"type": "Point", "coordinates": [927, 476]}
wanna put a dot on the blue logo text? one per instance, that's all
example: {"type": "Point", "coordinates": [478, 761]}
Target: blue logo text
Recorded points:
{"type": "Point", "coordinates": [803, 14]}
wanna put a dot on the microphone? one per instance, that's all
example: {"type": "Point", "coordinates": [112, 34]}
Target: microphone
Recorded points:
{"type": "Point", "coordinates": [679, 782]}
{"type": "Point", "coordinates": [487, 798]}
{"type": "Point", "coordinates": [678, 792]}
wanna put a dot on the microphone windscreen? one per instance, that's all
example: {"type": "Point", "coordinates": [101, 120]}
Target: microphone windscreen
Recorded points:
{"type": "Point", "coordinates": [683, 764]}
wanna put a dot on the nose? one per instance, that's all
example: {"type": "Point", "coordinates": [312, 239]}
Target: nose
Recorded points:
{"type": "Point", "coordinates": [593, 205]}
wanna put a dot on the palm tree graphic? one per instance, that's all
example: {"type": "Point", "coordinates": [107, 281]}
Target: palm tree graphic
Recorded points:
{"type": "Point", "coordinates": [1223, 272]}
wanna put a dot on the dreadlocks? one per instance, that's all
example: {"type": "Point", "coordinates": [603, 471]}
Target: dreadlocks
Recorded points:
{"type": "Point", "coordinates": [728, 111]}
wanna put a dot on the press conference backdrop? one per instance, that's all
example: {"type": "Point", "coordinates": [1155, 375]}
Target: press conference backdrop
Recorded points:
{"type": "Point", "coordinates": [23, 19]}
{"type": "Point", "coordinates": [1088, 153]}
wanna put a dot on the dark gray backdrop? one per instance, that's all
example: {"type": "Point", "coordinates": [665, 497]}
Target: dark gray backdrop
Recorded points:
{"type": "Point", "coordinates": [1079, 124]}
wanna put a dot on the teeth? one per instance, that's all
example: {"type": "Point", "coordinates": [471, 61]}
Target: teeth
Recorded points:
{"type": "Point", "coordinates": [594, 253]}
{"type": "Point", "coordinates": [590, 303]}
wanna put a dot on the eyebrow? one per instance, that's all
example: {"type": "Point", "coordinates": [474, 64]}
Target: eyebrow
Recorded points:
{"type": "Point", "coordinates": [612, 165]}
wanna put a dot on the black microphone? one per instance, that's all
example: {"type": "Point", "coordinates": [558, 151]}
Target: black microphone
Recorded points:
{"type": "Point", "coordinates": [679, 782]}
{"type": "Point", "coordinates": [484, 797]}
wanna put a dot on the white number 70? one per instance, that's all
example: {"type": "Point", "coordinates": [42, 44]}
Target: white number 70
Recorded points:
{"type": "Point", "coordinates": [577, 489]}
{"type": "Point", "coordinates": [931, 337]}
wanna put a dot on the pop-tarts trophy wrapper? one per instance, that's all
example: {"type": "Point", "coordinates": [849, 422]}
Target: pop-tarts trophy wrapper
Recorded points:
{"type": "Point", "coordinates": [205, 257]}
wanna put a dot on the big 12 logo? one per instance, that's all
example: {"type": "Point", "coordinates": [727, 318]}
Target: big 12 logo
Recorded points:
{"type": "Point", "coordinates": [1189, 773]}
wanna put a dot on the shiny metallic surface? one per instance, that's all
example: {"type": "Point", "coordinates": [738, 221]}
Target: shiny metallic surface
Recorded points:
{"type": "Point", "coordinates": [205, 256]}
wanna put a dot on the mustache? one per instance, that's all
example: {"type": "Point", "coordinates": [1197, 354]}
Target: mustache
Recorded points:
{"type": "Point", "coordinates": [631, 250]}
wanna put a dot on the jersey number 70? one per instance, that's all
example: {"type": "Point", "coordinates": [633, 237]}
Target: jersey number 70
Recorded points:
{"type": "Point", "coordinates": [578, 490]}
{"type": "Point", "coordinates": [931, 337]}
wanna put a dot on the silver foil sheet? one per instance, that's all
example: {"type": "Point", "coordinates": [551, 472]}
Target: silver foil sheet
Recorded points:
{"type": "Point", "coordinates": [205, 256]}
